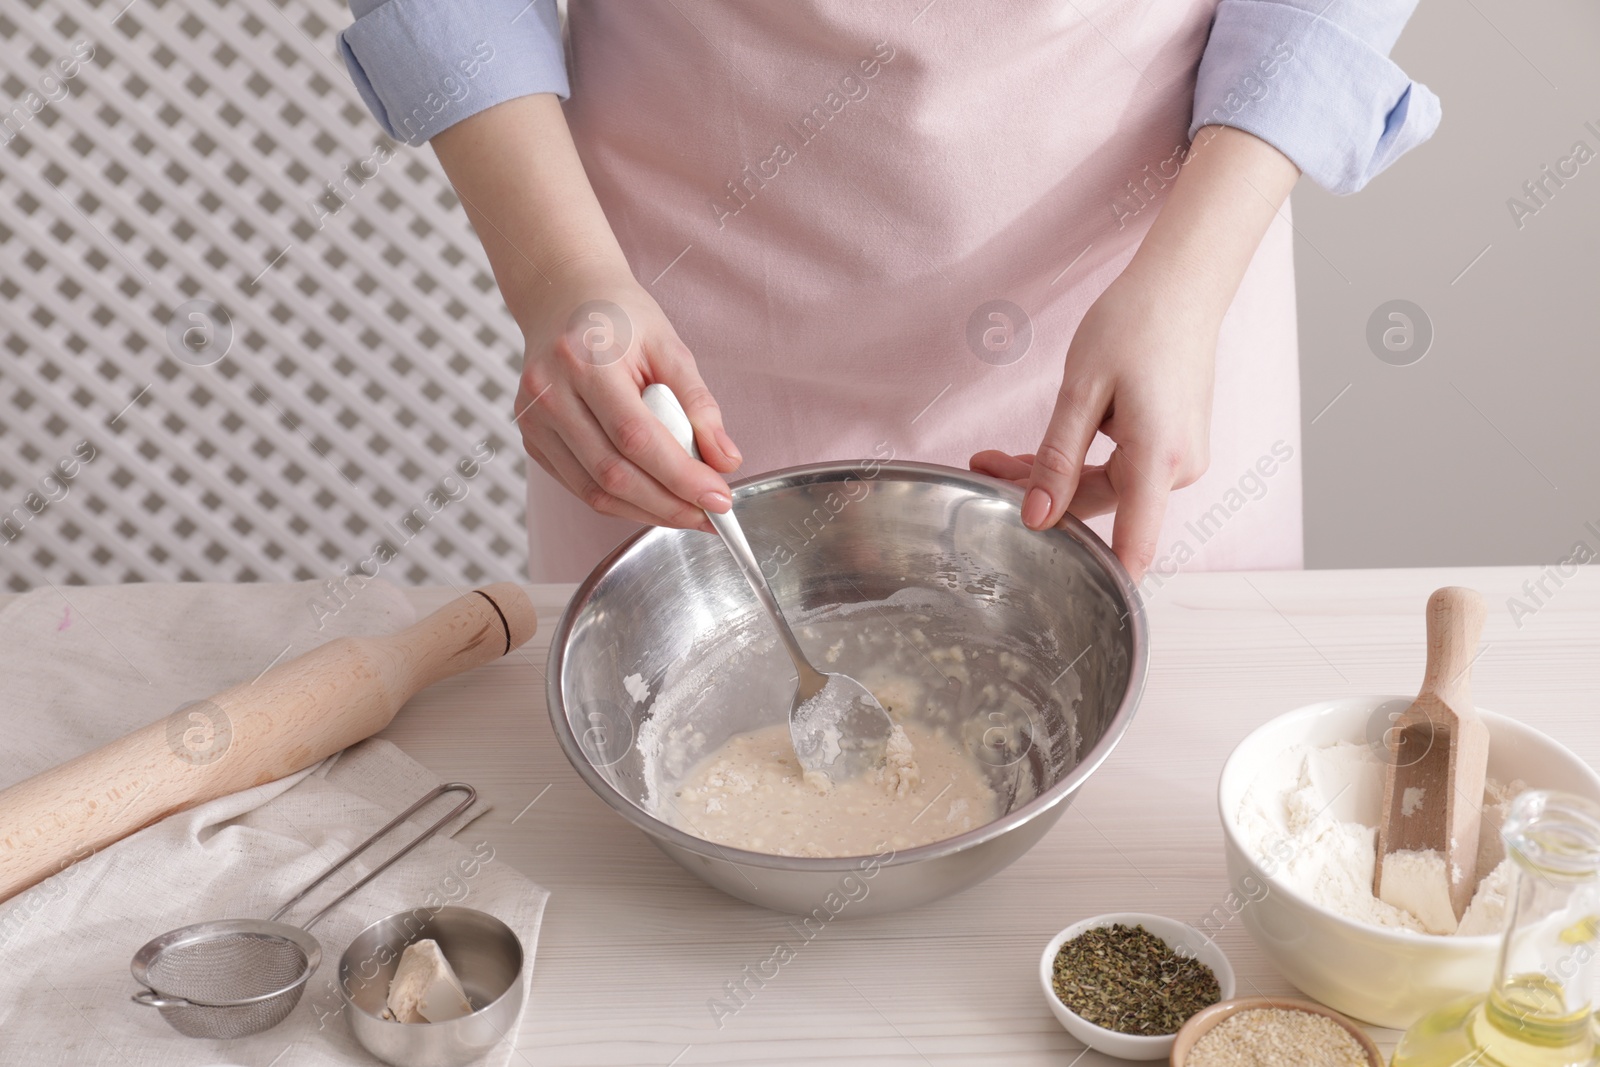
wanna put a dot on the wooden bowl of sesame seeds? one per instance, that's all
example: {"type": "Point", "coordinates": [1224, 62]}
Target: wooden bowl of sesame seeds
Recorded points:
{"type": "Point", "coordinates": [1272, 1030]}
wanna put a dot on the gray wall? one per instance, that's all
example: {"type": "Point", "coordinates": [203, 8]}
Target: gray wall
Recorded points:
{"type": "Point", "coordinates": [1484, 451]}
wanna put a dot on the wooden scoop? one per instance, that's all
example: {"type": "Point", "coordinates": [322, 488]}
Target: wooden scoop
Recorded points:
{"type": "Point", "coordinates": [1438, 754]}
{"type": "Point", "coordinates": [293, 715]}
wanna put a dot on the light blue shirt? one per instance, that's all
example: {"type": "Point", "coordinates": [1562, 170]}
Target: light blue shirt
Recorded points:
{"type": "Point", "coordinates": [1312, 78]}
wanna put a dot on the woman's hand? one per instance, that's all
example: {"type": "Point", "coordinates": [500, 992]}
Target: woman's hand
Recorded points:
{"type": "Point", "coordinates": [593, 337]}
{"type": "Point", "coordinates": [1140, 367]}
{"type": "Point", "coordinates": [594, 340]}
{"type": "Point", "coordinates": [1139, 370]}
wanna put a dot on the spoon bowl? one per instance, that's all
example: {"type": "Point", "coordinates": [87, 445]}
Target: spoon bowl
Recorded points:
{"type": "Point", "coordinates": [838, 727]}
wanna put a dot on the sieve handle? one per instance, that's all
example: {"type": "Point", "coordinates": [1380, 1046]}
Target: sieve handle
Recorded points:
{"type": "Point", "coordinates": [151, 999]}
{"type": "Point", "coordinates": [433, 794]}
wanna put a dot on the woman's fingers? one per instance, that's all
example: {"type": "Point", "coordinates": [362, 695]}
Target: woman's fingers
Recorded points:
{"type": "Point", "coordinates": [607, 480]}
{"type": "Point", "coordinates": [1002, 465]}
{"type": "Point", "coordinates": [1095, 496]}
{"type": "Point", "coordinates": [562, 463]}
{"type": "Point", "coordinates": [675, 368]}
{"type": "Point", "coordinates": [1142, 487]}
{"type": "Point", "coordinates": [1080, 408]}
{"type": "Point", "coordinates": [640, 445]}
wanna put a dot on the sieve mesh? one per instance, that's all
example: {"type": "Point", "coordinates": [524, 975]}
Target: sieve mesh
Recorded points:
{"type": "Point", "coordinates": [223, 1024]}
{"type": "Point", "coordinates": [211, 971]}
{"type": "Point", "coordinates": [229, 967]}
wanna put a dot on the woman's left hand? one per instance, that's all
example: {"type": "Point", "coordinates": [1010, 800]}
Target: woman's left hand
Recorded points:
{"type": "Point", "coordinates": [1139, 370]}
{"type": "Point", "coordinates": [1140, 367]}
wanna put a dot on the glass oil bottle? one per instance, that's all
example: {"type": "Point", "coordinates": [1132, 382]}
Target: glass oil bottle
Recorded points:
{"type": "Point", "coordinates": [1541, 1010]}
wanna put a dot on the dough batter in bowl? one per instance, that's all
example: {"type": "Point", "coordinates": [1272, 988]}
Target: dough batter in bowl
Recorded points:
{"type": "Point", "coordinates": [752, 794]}
{"type": "Point", "coordinates": [718, 759]}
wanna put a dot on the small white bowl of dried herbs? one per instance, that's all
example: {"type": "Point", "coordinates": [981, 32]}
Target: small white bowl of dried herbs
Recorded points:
{"type": "Point", "coordinates": [1125, 983]}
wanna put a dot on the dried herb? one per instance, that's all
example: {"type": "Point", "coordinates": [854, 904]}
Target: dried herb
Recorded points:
{"type": "Point", "coordinates": [1125, 978]}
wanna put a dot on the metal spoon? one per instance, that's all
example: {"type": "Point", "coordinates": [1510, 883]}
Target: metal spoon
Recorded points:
{"type": "Point", "coordinates": [838, 727]}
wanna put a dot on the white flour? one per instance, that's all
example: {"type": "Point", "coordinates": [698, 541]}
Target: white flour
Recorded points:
{"type": "Point", "coordinates": [1311, 821]}
{"type": "Point", "coordinates": [1417, 882]}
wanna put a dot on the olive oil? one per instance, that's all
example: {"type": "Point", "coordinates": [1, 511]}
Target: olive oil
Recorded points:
{"type": "Point", "coordinates": [1479, 1032]}
{"type": "Point", "coordinates": [1540, 1011]}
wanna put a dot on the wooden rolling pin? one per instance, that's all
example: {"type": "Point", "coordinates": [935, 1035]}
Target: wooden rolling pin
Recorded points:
{"type": "Point", "coordinates": [293, 715]}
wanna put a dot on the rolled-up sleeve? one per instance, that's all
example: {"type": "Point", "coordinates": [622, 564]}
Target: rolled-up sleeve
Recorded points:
{"type": "Point", "coordinates": [424, 65]}
{"type": "Point", "coordinates": [1313, 78]}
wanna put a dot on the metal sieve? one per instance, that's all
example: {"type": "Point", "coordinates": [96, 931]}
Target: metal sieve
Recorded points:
{"type": "Point", "coordinates": [234, 977]}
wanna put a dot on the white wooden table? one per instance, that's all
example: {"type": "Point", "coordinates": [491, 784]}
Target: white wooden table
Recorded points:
{"type": "Point", "coordinates": [633, 948]}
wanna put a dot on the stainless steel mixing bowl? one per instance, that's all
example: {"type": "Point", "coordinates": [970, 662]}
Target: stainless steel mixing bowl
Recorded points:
{"type": "Point", "coordinates": [919, 580]}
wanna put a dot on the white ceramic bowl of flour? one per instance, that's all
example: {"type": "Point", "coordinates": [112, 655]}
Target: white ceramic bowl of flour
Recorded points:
{"type": "Point", "coordinates": [1381, 975]}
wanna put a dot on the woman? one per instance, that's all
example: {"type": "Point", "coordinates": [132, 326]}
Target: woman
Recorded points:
{"type": "Point", "coordinates": [939, 231]}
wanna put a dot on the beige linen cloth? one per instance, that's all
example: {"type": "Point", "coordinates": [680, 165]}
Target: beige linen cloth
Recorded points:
{"type": "Point", "coordinates": [84, 665]}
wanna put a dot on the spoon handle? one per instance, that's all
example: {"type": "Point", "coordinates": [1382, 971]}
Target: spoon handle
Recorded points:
{"type": "Point", "coordinates": [663, 404]}
{"type": "Point", "coordinates": [733, 534]}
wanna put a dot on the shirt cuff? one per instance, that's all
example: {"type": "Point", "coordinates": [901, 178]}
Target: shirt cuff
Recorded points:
{"type": "Point", "coordinates": [422, 66]}
{"type": "Point", "coordinates": [1322, 92]}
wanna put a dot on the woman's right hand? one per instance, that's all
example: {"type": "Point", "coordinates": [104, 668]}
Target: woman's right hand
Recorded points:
{"type": "Point", "coordinates": [594, 340]}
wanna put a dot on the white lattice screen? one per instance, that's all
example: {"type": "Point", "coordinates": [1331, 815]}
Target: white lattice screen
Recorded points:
{"type": "Point", "coordinates": [163, 159]}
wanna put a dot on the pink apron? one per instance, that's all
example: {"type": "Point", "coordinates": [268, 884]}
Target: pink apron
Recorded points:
{"type": "Point", "coordinates": [823, 195]}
